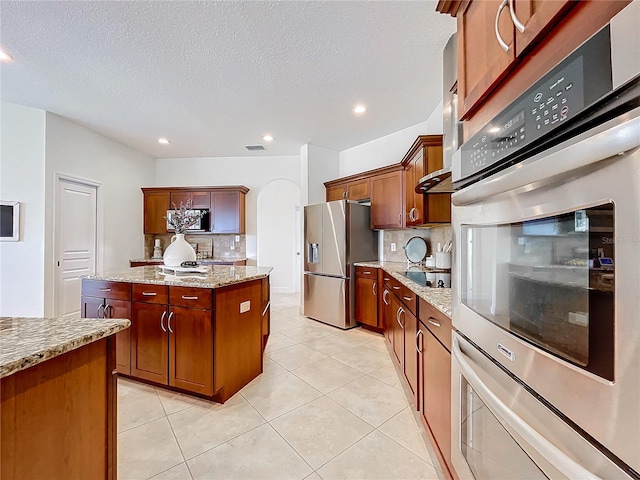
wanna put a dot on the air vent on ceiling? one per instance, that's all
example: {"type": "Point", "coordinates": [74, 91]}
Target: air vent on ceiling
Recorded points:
{"type": "Point", "coordinates": [254, 147]}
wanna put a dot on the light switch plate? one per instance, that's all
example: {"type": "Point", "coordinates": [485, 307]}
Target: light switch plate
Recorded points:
{"type": "Point", "coordinates": [237, 238]}
{"type": "Point", "coordinates": [393, 247]}
{"type": "Point", "coordinates": [245, 306]}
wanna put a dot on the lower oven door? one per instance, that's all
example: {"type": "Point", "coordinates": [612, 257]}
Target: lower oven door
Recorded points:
{"type": "Point", "coordinates": [502, 431]}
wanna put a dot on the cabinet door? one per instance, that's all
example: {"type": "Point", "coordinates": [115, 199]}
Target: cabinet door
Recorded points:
{"type": "Point", "coordinates": [92, 307]}
{"type": "Point", "coordinates": [387, 201]}
{"type": "Point", "coordinates": [414, 201]}
{"type": "Point", "coordinates": [227, 212]}
{"type": "Point", "coordinates": [367, 301]}
{"type": "Point", "coordinates": [537, 16]}
{"type": "Point", "coordinates": [191, 349]}
{"type": "Point", "coordinates": [121, 309]}
{"type": "Point", "coordinates": [149, 342]}
{"type": "Point", "coordinates": [179, 198]}
{"type": "Point", "coordinates": [201, 199]}
{"type": "Point", "coordinates": [482, 62]}
{"type": "Point", "coordinates": [358, 190]}
{"type": "Point", "coordinates": [410, 353]}
{"type": "Point", "coordinates": [156, 205]}
{"type": "Point", "coordinates": [398, 330]}
{"type": "Point", "coordinates": [387, 315]}
{"type": "Point", "coordinates": [337, 192]}
{"type": "Point", "coordinates": [435, 391]}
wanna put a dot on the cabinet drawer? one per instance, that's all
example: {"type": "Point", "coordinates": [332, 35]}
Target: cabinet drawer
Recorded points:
{"type": "Point", "coordinates": [366, 272]}
{"type": "Point", "coordinates": [190, 297]}
{"type": "Point", "coordinates": [409, 298]}
{"type": "Point", "coordinates": [106, 289]}
{"type": "Point", "coordinates": [437, 322]}
{"type": "Point", "coordinates": [149, 293]}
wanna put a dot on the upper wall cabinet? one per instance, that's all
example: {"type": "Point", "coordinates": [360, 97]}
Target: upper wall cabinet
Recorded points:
{"type": "Point", "coordinates": [227, 206]}
{"type": "Point", "coordinates": [504, 46]}
{"type": "Point", "coordinates": [341, 189]}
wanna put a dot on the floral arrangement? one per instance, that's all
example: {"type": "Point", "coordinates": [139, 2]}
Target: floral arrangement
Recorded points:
{"type": "Point", "coordinates": [184, 217]}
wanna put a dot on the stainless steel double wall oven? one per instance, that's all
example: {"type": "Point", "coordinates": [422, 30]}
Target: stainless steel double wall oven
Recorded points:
{"type": "Point", "coordinates": [546, 352]}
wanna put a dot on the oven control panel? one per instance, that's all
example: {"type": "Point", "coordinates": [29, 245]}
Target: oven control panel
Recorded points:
{"type": "Point", "coordinates": [550, 103]}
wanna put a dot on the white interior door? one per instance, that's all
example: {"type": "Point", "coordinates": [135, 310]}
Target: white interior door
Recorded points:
{"type": "Point", "coordinates": [76, 212]}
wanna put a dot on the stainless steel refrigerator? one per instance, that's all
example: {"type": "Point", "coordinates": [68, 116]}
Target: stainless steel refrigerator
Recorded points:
{"type": "Point", "coordinates": [336, 235]}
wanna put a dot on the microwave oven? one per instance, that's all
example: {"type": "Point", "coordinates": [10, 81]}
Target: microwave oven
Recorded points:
{"type": "Point", "coordinates": [202, 225]}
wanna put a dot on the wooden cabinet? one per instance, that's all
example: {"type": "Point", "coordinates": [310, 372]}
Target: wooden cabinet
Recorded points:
{"type": "Point", "coordinates": [348, 190]}
{"type": "Point", "coordinates": [227, 207]}
{"type": "Point", "coordinates": [266, 312]}
{"type": "Point", "coordinates": [490, 78]}
{"type": "Point", "coordinates": [198, 199]}
{"type": "Point", "coordinates": [410, 364]}
{"type": "Point", "coordinates": [386, 310]}
{"type": "Point", "coordinates": [387, 201]}
{"type": "Point", "coordinates": [171, 343]}
{"type": "Point", "coordinates": [156, 205]}
{"type": "Point", "coordinates": [227, 212]}
{"type": "Point", "coordinates": [110, 300]}
{"type": "Point", "coordinates": [367, 296]}
{"type": "Point", "coordinates": [434, 379]}
{"type": "Point", "coordinates": [424, 157]}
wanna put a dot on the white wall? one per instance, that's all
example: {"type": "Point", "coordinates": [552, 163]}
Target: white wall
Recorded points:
{"type": "Point", "coordinates": [388, 149]}
{"type": "Point", "coordinates": [254, 172]}
{"type": "Point", "coordinates": [22, 139]}
{"type": "Point", "coordinates": [82, 153]}
{"type": "Point", "coordinates": [324, 165]}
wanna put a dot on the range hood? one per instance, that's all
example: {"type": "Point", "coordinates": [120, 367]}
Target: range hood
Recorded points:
{"type": "Point", "coordinates": [440, 180]}
{"type": "Point", "coordinates": [436, 182]}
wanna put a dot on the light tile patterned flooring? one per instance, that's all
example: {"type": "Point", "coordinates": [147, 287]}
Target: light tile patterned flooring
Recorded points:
{"type": "Point", "coordinates": [329, 405]}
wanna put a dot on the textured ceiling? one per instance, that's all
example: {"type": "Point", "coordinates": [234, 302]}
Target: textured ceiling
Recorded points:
{"type": "Point", "coordinates": [214, 76]}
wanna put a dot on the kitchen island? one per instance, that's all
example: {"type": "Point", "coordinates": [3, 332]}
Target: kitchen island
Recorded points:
{"type": "Point", "coordinates": [200, 333]}
{"type": "Point", "coordinates": [58, 390]}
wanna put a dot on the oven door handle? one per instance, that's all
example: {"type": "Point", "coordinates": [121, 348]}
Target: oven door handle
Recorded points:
{"type": "Point", "coordinates": [545, 448]}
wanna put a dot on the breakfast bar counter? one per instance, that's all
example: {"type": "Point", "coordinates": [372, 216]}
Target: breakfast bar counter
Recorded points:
{"type": "Point", "coordinates": [58, 397]}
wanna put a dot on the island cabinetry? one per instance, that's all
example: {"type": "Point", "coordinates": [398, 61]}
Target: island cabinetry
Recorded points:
{"type": "Point", "coordinates": [367, 296]}
{"type": "Point", "coordinates": [434, 379]}
{"type": "Point", "coordinates": [101, 299]}
{"type": "Point", "coordinates": [172, 344]}
{"type": "Point", "coordinates": [266, 311]}
{"type": "Point", "coordinates": [237, 337]}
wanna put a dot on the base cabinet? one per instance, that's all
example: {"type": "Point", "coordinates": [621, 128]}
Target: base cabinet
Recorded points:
{"type": "Point", "coordinates": [367, 296]}
{"type": "Point", "coordinates": [150, 342]}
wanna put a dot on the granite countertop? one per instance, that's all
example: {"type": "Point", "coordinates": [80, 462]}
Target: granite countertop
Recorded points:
{"type": "Point", "coordinates": [25, 342]}
{"type": "Point", "coordinates": [216, 276]}
{"type": "Point", "coordinates": [203, 261]}
{"type": "Point", "coordinates": [440, 298]}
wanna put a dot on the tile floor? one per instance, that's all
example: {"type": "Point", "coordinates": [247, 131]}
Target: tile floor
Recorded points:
{"type": "Point", "coordinates": [329, 405]}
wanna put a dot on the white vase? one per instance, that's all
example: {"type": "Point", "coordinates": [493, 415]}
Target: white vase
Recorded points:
{"type": "Point", "coordinates": [178, 251]}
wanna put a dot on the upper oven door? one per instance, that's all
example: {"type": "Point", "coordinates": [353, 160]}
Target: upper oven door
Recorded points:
{"type": "Point", "coordinates": [525, 289]}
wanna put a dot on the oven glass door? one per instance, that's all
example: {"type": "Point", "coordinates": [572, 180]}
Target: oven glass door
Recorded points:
{"type": "Point", "coordinates": [549, 281]}
{"type": "Point", "coordinates": [489, 450]}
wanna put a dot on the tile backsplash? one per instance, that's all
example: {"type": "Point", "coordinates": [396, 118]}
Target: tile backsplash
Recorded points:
{"type": "Point", "coordinates": [212, 246]}
{"type": "Point", "coordinates": [432, 235]}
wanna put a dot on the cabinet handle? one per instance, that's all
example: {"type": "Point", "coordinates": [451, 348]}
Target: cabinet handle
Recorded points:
{"type": "Point", "coordinates": [375, 289]}
{"type": "Point", "coordinates": [386, 279]}
{"type": "Point", "coordinates": [433, 321]}
{"type": "Point", "coordinates": [519, 25]}
{"type": "Point", "coordinates": [384, 296]}
{"type": "Point", "coordinates": [98, 311]}
{"type": "Point", "coordinates": [400, 312]}
{"type": "Point", "coordinates": [184, 297]}
{"type": "Point", "coordinates": [169, 322]}
{"type": "Point", "coordinates": [502, 43]}
{"type": "Point", "coordinates": [266, 308]}
{"type": "Point", "coordinates": [105, 311]}
{"type": "Point", "coordinates": [400, 214]}
{"type": "Point", "coordinates": [395, 287]}
{"type": "Point", "coordinates": [408, 299]}
{"type": "Point", "coordinates": [412, 217]}
{"type": "Point", "coordinates": [161, 320]}
{"type": "Point", "coordinates": [104, 289]}
{"type": "Point", "coordinates": [367, 273]}
{"type": "Point", "coordinates": [149, 294]}
{"type": "Point", "coordinates": [418, 344]}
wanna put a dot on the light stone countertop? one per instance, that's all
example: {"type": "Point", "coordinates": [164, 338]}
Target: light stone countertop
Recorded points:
{"type": "Point", "coordinates": [440, 298]}
{"type": "Point", "coordinates": [216, 276]}
{"type": "Point", "coordinates": [25, 342]}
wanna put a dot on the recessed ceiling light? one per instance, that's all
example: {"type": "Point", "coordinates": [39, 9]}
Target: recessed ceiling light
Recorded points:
{"type": "Point", "coordinates": [5, 57]}
{"type": "Point", "coordinates": [164, 141]}
{"type": "Point", "coordinates": [267, 138]}
{"type": "Point", "coordinates": [359, 109]}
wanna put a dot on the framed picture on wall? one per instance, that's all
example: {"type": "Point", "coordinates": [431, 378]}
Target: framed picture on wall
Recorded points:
{"type": "Point", "coordinates": [9, 221]}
